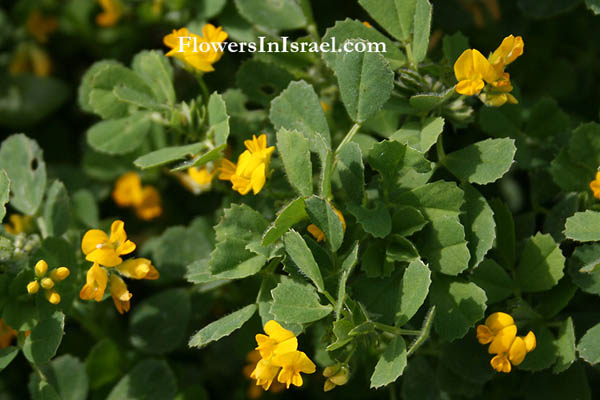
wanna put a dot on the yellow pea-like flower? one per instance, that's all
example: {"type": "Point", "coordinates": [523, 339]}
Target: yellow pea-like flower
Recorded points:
{"type": "Point", "coordinates": [138, 268]}
{"type": "Point", "coordinates": [276, 341]}
{"type": "Point", "coordinates": [292, 365]}
{"type": "Point", "coordinates": [472, 70]}
{"type": "Point", "coordinates": [129, 192]}
{"type": "Point", "coordinates": [595, 185]}
{"type": "Point", "coordinates": [7, 334]}
{"type": "Point", "coordinates": [318, 234]}
{"type": "Point", "coordinates": [112, 11]}
{"type": "Point", "coordinates": [120, 294]}
{"type": "Point", "coordinates": [18, 224]}
{"type": "Point", "coordinates": [99, 248]}
{"type": "Point", "coordinates": [197, 52]}
{"type": "Point", "coordinates": [95, 284]}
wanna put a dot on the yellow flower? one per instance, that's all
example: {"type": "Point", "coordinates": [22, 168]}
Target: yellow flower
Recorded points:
{"type": "Point", "coordinates": [40, 26]}
{"type": "Point", "coordinates": [493, 325]}
{"type": "Point", "coordinates": [264, 373]}
{"type": "Point", "coordinates": [279, 340]}
{"type": "Point", "coordinates": [508, 51]}
{"type": "Point", "coordinates": [119, 293]}
{"type": "Point", "coordinates": [47, 282]}
{"type": "Point", "coordinates": [138, 268]}
{"type": "Point", "coordinates": [471, 70]}
{"type": "Point", "coordinates": [252, 166]}
{"type": "Point", "coordinates": [199, 180]}
{"type": "Point", "coordinates": [594, 185]}
{"type": "Point", "coordinates": [255, 391]}
{"type": "Point", "coordinates": [112, 10]}
{"type": "Point", "coordinates": [292, 364]}
{"type": "Point", "coordinates": [7, 334]}
{"type": "Point", "coordinates": [128, 192]}
{"type": "Point", "coordinates": [99, 248]}
{"type": "Point", "coordinates": [501, 332]}
{"type": "Point", "coordinates": [196, 52]}
{"type": "Point", "coordinates": [18, 224]}
{"type": "Point", "coordinates": [367, 24]}
{"type": "Point", "coordinates": [318, 233]}
{"type": "Point", "coordinates": [202, 176]}
{"type": "Point", "coordinates": [95, 285]}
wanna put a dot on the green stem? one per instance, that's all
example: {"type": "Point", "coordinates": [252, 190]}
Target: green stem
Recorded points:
{"type": "Point", "coordinates": [395, 331]}
{"type": "Point", "coordinates": [203, 87]}
{"type": "Point", "coordinates": [439, 147]}
{"type": "Point", "coordinates": [424, 333]}
{"type": "Point", "coordinates": [409, 55]}
{"type": "Point", "coordinates": [329, 297]}
{"type": "Point", "coordinates": [348, 138]}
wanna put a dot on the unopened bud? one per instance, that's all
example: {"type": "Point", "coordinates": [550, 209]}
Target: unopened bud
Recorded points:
{"type": "Point", "coordinates": [47, 283]}
{"type": "Point", "coordinates": [52, 296]}
{"type": "Point", "coordinates": [59, 274]}
{"type": "Point", "coordinates": [33, 287]}
{"type": "Point", "coordinates": [40, 268]}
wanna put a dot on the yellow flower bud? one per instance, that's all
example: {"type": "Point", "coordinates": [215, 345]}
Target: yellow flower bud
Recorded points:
{"type": "Point", "coordinates": [33, 287]}
{"type": "Point", "coordinates": [59, 274]}
{"type": "Point", "coordinates": [337, 375]}
{"type": "Point", "coordinates": [52, 296]}
{"type": "Point", "coordinates": [40, 268]}
{"type": "Point", "coordinates": [47, 283]}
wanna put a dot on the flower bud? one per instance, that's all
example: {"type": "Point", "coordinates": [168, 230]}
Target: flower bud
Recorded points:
{"type": "Point", "coordinates": [59, 274]}
{"type": "Point", "coordinates": [52, 296]}
{"type": "Point", "coordinates": [47, 283]}
{"type": "Point", "coordinates": [40, 268]}
{"type": "Point", "coordinates": [33, 287]}
{"type": "Point", "coordinates": [337, 375]}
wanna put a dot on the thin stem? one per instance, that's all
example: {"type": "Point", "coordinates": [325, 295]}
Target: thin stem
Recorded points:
{"type": "Point", "coordinates": [348, 138]}
{"type": "Point", "coordinates": [439, 147]}
{"type": "Point", "coordinates": [203, 87]}
{"type": "Point", "coordinates": [424, 333]}
{"type": "Point", "coordinates": [329, 297]}
{"type": "Point", "coordinates": [395, 331]}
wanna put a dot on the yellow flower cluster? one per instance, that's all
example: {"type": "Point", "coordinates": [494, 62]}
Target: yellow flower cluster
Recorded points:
{"type": "Point", "coordinates": [595, 185]}
{"type": "Point", "coordinates": [112, 11]}
{"type": "Point", "coordinates": [47, 281]}
{"type": "Point", "coordinates": [197, 52]}
{"type": "Point", "coordinates": [255, 391]}
{"type": "Point", "coordinates": [128, 192]}
{"type": "Point", "coordinates": [318, 233]}
{"type": "Point", "coordinates": [473, 71]}
{"type": "Point", "coordinates": [501, 332]}
{"type": "Point", "coordinates": [250, 173]}
{"type": "Point", "coordinates": [105, 252]}
{"type": "Point", "coordinates": [280, 358]}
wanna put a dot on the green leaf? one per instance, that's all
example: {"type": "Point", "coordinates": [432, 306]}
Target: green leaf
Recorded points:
{"type": "Point", "coordinates": [120, 136]}
{"type": "Point", "coordinates": [493, 279]}
{"type": "Point", "coordinates": [422, 28]}
{"type": "Point", "coordinates": [40, 389]}
{"type": "Point", "coordinates": [376, 222]}
{"type": "Point", "coordinates": [294, 302]}
{"type": "Point", "coordinates": [222, 327]}
{"type": "Point", "coordinates": [294, 152]}
{"type": "Point", "coordinates": [231, 259]}
{"type": "Point", "coordinates": [138, 99]}
{"type": "Point", "coordinates": [576, 165]}
{"type": "Point", "coordinates": [288, 216]}
{"type": "Point", "coordinates": [85, 208]}
{"type": "Point", "coordinates": [7, 354]}
{"type": "Point", "coordinates": [459, 306]}
{"type": "Point", "coordinates": [505, 233]}
{"type": "Point", "coordinates": [167, 155]}
{"type": "Point", "coordinates": [341, 330]}
{"type": "Point", "coordinates": [482, 162]}
{"type": "Point", "coordinates": [571, 384]}
{"type": "Point", "coordinates": [593, 5]}
{"type": "Point", "coordinates": [67, 376]}
{"type": "Point", "coordinates": [41, 345]}
{"type": "Point", "coordinates": [401, 249]}
{"type": "Point", "coordinates": [218, 120]}
{"type": "Point", "coordinates": [374, 261]}
{"type": "Point", "coordinates": [262, 81]}
{"type": "Point", "coordinates": [441, 242]}
{"type": "Point", "coordinates": [298, 108]}
{"type": "Point", "coordinates": [589, 345]}
{"type": "Point", "coordinates": [104, 363]}
{"type": "Point", "coordinates": [351, 171]}
{"type": "Point", "coordinates": [4, 192]}
{"type": "Point", "coordinates": [407, 220]}
{"type": "Point", "coordinates": [352, 29]}
{"type": "Point", "coordinates": [101, 97]}
{"type": "Point", "coordinates": [148, 380]}
{"type": "Point", "coordinates": [541, 265]}
{"type": "Point", "coordinates": [546, 120]}
{"type": "Point", "coordinates": [391, 364]}
{"type": "Point", "coordinates": [454, 45]}
{"type": "Point", "coordinates": [420, 136]}
{"type": "Point", "coordinates": [240, 222]}
{"type": "Point", "coordinates": [156, 71]}
{"type": "Point", "coordinates": [480, 227]}
{"type": "Point", "coordinates": [347, 268]}
{"type": "Point", "coordinates": [56, 212]}
{"type": "Point", "coordinates": [299, 252]}
{"type": "Point", "coordinates": [23, 161]}
{"type": "Point", "coordinates": [565, 344]}
{"type": "Point", "coordinates": [584, 269]}
{"type": "Point", "coordinates": [201, 159]}
{"type": "Point", "coordinates": [158, 325]}
{"type": "Point", "coordinates": [365, 81]}
{"type": "Point", "coordinates": [276, 14]}
{"type": "Point", "coordinates": [321, 214]}
{"type": "Point", "coordinates": [395, 16]}
{"type": "Point", "coordinates": [583, 226]}
{"type": "Point", "coordinates": [544, 355]}
{"type": "Point", "coordinates": [426, 102]}
{"type": "Point", "coordinates": [413, 291]}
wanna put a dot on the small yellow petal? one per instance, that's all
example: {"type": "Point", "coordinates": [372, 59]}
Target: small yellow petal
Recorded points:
{"type": "Point", "coordinates": [33, 287]}
{"type": "Point", "coordinates": [517, 351]}
{"type": "Point", "coordinates": [503, 340]}
{"type": "Point", "coordinates": [498, 321]}
{"type": "Point", "coordinates": [530, 341]}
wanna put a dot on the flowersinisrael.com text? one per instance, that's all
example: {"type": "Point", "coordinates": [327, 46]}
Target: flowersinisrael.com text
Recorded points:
{"type": "Point", "coordinates": [190, 43]}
